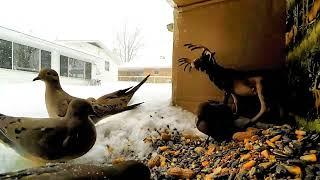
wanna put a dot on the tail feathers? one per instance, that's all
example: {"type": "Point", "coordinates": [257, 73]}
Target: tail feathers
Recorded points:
{"type": "Point", "coordinates": [96, 119]}
{"type": "Point", "coordinates": [132, 106]}
{"type": "Point", "coordinates": [126, 108]}
{"type": "Point", "coordinates": [134, 89]}
{"type": "Point", "coordinates": [123, 91]}
{"type": "Point", "coordinates": [128, 93]}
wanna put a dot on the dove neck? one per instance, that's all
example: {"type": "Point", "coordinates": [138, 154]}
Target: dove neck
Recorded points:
{"type": "Point", "coordinates": [53, 85]}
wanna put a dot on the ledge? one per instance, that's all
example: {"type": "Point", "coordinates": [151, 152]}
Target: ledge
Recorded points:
{"type": "Point", "coordinates": [181, 4]}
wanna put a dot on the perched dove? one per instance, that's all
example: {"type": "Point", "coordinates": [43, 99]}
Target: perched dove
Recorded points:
{"type": "Point", "coordinates": [51, 139]}
{"type": "Point", "coordinates": [57, 99]}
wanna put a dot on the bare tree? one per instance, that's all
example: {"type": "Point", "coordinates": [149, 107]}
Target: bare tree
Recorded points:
{"type": "Point", "coordinates": [128, 43]}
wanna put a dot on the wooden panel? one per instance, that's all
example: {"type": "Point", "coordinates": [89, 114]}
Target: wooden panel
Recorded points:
{"type": "Point", "coordinates": [246, 34]}
{"type": "Point", "coordinates": [185, 3]}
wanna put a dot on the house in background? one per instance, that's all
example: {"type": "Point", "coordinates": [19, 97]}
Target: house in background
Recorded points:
{"type": "Point", "coordinates": [159, 74]}
{"type": "Point", "coordinates": [107, 69]}
{"type": "Point", "coordinates": [22, 56]}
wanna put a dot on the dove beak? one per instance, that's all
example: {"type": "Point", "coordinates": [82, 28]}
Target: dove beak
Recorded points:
{"type": "Point", "coordinates": [36, 78]}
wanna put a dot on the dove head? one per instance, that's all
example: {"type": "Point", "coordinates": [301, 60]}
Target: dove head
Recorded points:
{"type": "Point", "coordinates": [47, 75]}
{"type": "Point", "coordinates": [79, 109]}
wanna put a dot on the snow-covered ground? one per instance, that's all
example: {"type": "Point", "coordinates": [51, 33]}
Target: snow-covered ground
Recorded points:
{"type": "Point", "coordinates": [122, 133]}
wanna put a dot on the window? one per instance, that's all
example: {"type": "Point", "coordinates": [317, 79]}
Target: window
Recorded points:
{"type": "Point", "coordinates": [107, 65]}
{"type": "Point", "coordinates": [64, 66]}
{"type": "Point", "coordinates": [25, 58]}
{"type": "Point", "coordinates": [76, 68]}
{"type": "Point", "coordinates": [5, 54]}
{"type": "Point", "coordinates": [70, 67]}
{"type": "Point", "coordinates": [45, 59]}
{"type": "Point", "coordinates": [88, 70]}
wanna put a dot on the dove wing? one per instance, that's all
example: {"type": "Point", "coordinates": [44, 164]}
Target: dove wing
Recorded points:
{"type": "Point", "coordinates": [62, 108]}
{"type": "Point", "coordinates": [4, 138]}
{"type": "Point", "coordinates": [104, 111]}
{"type": "Point", "coordinates": [26, 135]}
{"type": "Point", "coordinates": [108, 97]}
{"type": "Point", "coordinates": [47, 142]}
{"type": "Point", "coordinates": [63, 102]}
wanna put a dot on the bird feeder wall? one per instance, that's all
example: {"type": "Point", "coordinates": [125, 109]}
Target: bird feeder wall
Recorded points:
{"type": "Point", "coordinates": [245, 34]}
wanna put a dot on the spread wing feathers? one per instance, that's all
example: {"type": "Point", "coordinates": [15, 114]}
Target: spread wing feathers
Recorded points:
{"type": "Point", "coordinates": [125, 94]}
{"type": "Point", "coordinates": [105, 111]}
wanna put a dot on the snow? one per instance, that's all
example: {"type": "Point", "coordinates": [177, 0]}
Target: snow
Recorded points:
{"type": "Point", "coordinates": [122, 133]}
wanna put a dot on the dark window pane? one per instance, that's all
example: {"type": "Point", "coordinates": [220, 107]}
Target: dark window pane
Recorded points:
{"type": "Point", "coordinates": [63, 66]}
{"type": "Point", "coordinates": [88, 70]}
{"type": "Point", "coordinates": [107, 66]}
{"type": "Point", "coordinates": [76, 68]}
{"type": "Point", "coordinates": [5, 54]}
{"type": "Point", "coordinates": [45, 59]}
{"type": "Point", "coordinates": [25, 58]}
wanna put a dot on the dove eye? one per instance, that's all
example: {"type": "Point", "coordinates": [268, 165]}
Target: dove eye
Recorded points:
{"type": "Point", "coordinates": [48, 73]}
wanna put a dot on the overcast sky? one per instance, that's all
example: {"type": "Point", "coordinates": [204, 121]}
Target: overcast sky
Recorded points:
{"type": "Point", "coordinates": [94, 20]}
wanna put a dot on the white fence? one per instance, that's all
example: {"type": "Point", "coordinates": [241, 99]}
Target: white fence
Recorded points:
{"type": "Point", "coordinates": [151, 79]}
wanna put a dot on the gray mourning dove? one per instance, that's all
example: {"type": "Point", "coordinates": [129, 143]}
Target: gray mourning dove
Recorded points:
{"type": "Point", "coordinates": [51, 139]}
{"type": "Point", "coordinates": [124, 170]}
{"type": "Point", "coordinates": [57, 99]}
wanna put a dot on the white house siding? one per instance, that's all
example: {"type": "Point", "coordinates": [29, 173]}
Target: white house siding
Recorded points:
{"type": "Point", "coordinates": [16, 76]}
{"type": "Point", "coordinates": [102, 74]}
{"type": "Point", "coordinates": [10, 75]}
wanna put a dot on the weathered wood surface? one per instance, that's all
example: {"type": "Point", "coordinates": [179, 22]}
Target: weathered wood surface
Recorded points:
{"type": "Point", "coordinates": [124, 170]}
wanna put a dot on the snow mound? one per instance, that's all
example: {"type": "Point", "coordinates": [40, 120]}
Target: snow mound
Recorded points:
{"type": "Point", "coordinates": [120, 135]}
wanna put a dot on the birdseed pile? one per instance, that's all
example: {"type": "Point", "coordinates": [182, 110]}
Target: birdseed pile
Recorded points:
{"type": "Point", "coordinates": [281, 152]}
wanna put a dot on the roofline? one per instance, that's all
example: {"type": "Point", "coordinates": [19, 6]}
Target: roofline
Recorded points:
{"type": "Point", "coordinates": [109, 52]}
{"type": "Point", "coordinates": [50, 42]}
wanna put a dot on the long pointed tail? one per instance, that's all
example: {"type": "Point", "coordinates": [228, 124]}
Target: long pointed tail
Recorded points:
{"type": "Point", "coordinates": [132, 106]}
{"type": "Point", "coordinates": [126, 93]}
{"type": "Point", "coordinates": [103, 115]}
{"type": "Point", "coordinates": [123, 91]}
{"type": "Point", "coordinates": [125, 108]}
{"type": "Point", "coordinates": [134, 89]}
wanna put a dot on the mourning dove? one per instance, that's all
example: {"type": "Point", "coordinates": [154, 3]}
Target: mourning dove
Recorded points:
{"type": "Point", "coordinates": [51, 139]}
{"type": "Point", "coordinates": [57, 99]}
{"type": "Point", "coordinates": [124, 170]}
